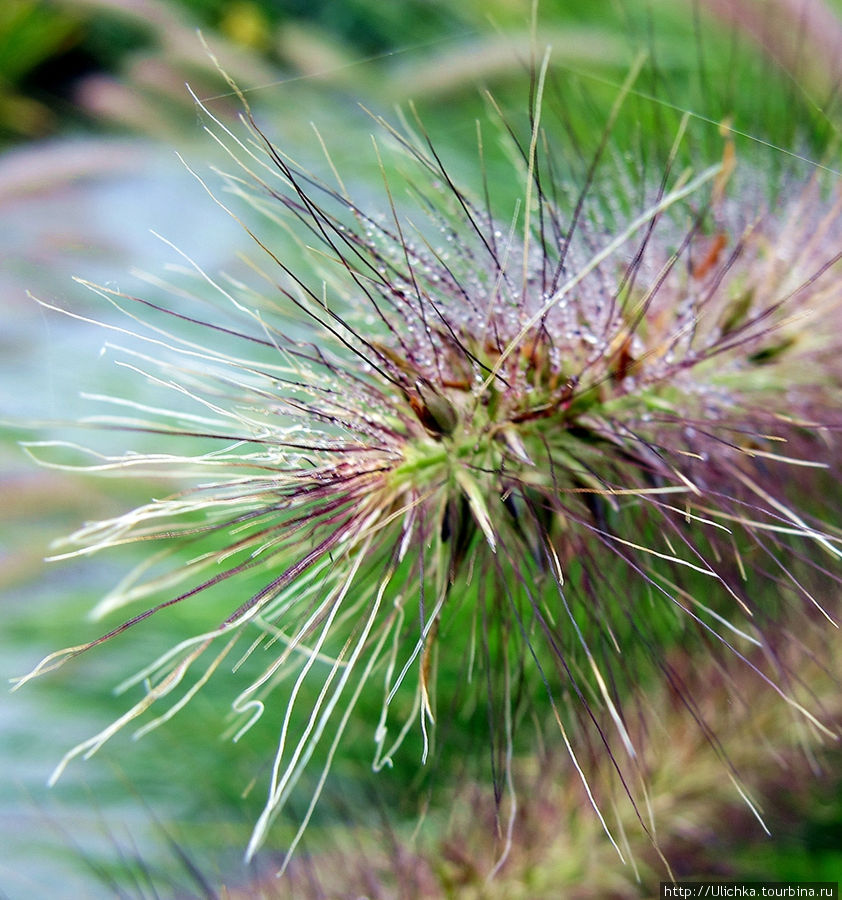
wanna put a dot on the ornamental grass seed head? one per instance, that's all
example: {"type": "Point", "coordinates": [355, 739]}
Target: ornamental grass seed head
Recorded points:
{"type": "Point", "coordinates": [536, 445]}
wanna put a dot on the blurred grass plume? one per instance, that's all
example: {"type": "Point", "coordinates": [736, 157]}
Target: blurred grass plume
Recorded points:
{"type": "Point", "coordinates": [484, 448]}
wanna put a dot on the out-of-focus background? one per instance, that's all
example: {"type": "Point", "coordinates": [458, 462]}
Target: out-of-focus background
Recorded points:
{"type": "Point", "coordinates": [93, 106]}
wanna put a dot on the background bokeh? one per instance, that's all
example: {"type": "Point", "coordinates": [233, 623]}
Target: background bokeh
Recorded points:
{"type": "Point", "coordinates": [93, 105]}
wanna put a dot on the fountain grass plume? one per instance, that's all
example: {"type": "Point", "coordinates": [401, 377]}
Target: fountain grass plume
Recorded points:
{"type": "Point", "coordinates": [480, 455]}
{"type": "Point", "coordinates": [558, 847]}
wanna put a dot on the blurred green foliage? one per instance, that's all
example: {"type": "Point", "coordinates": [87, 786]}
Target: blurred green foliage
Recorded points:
{"type": "Point", "coordinates": [31, 35]}
{"type": "Point", "coordinates": [423, 49]}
